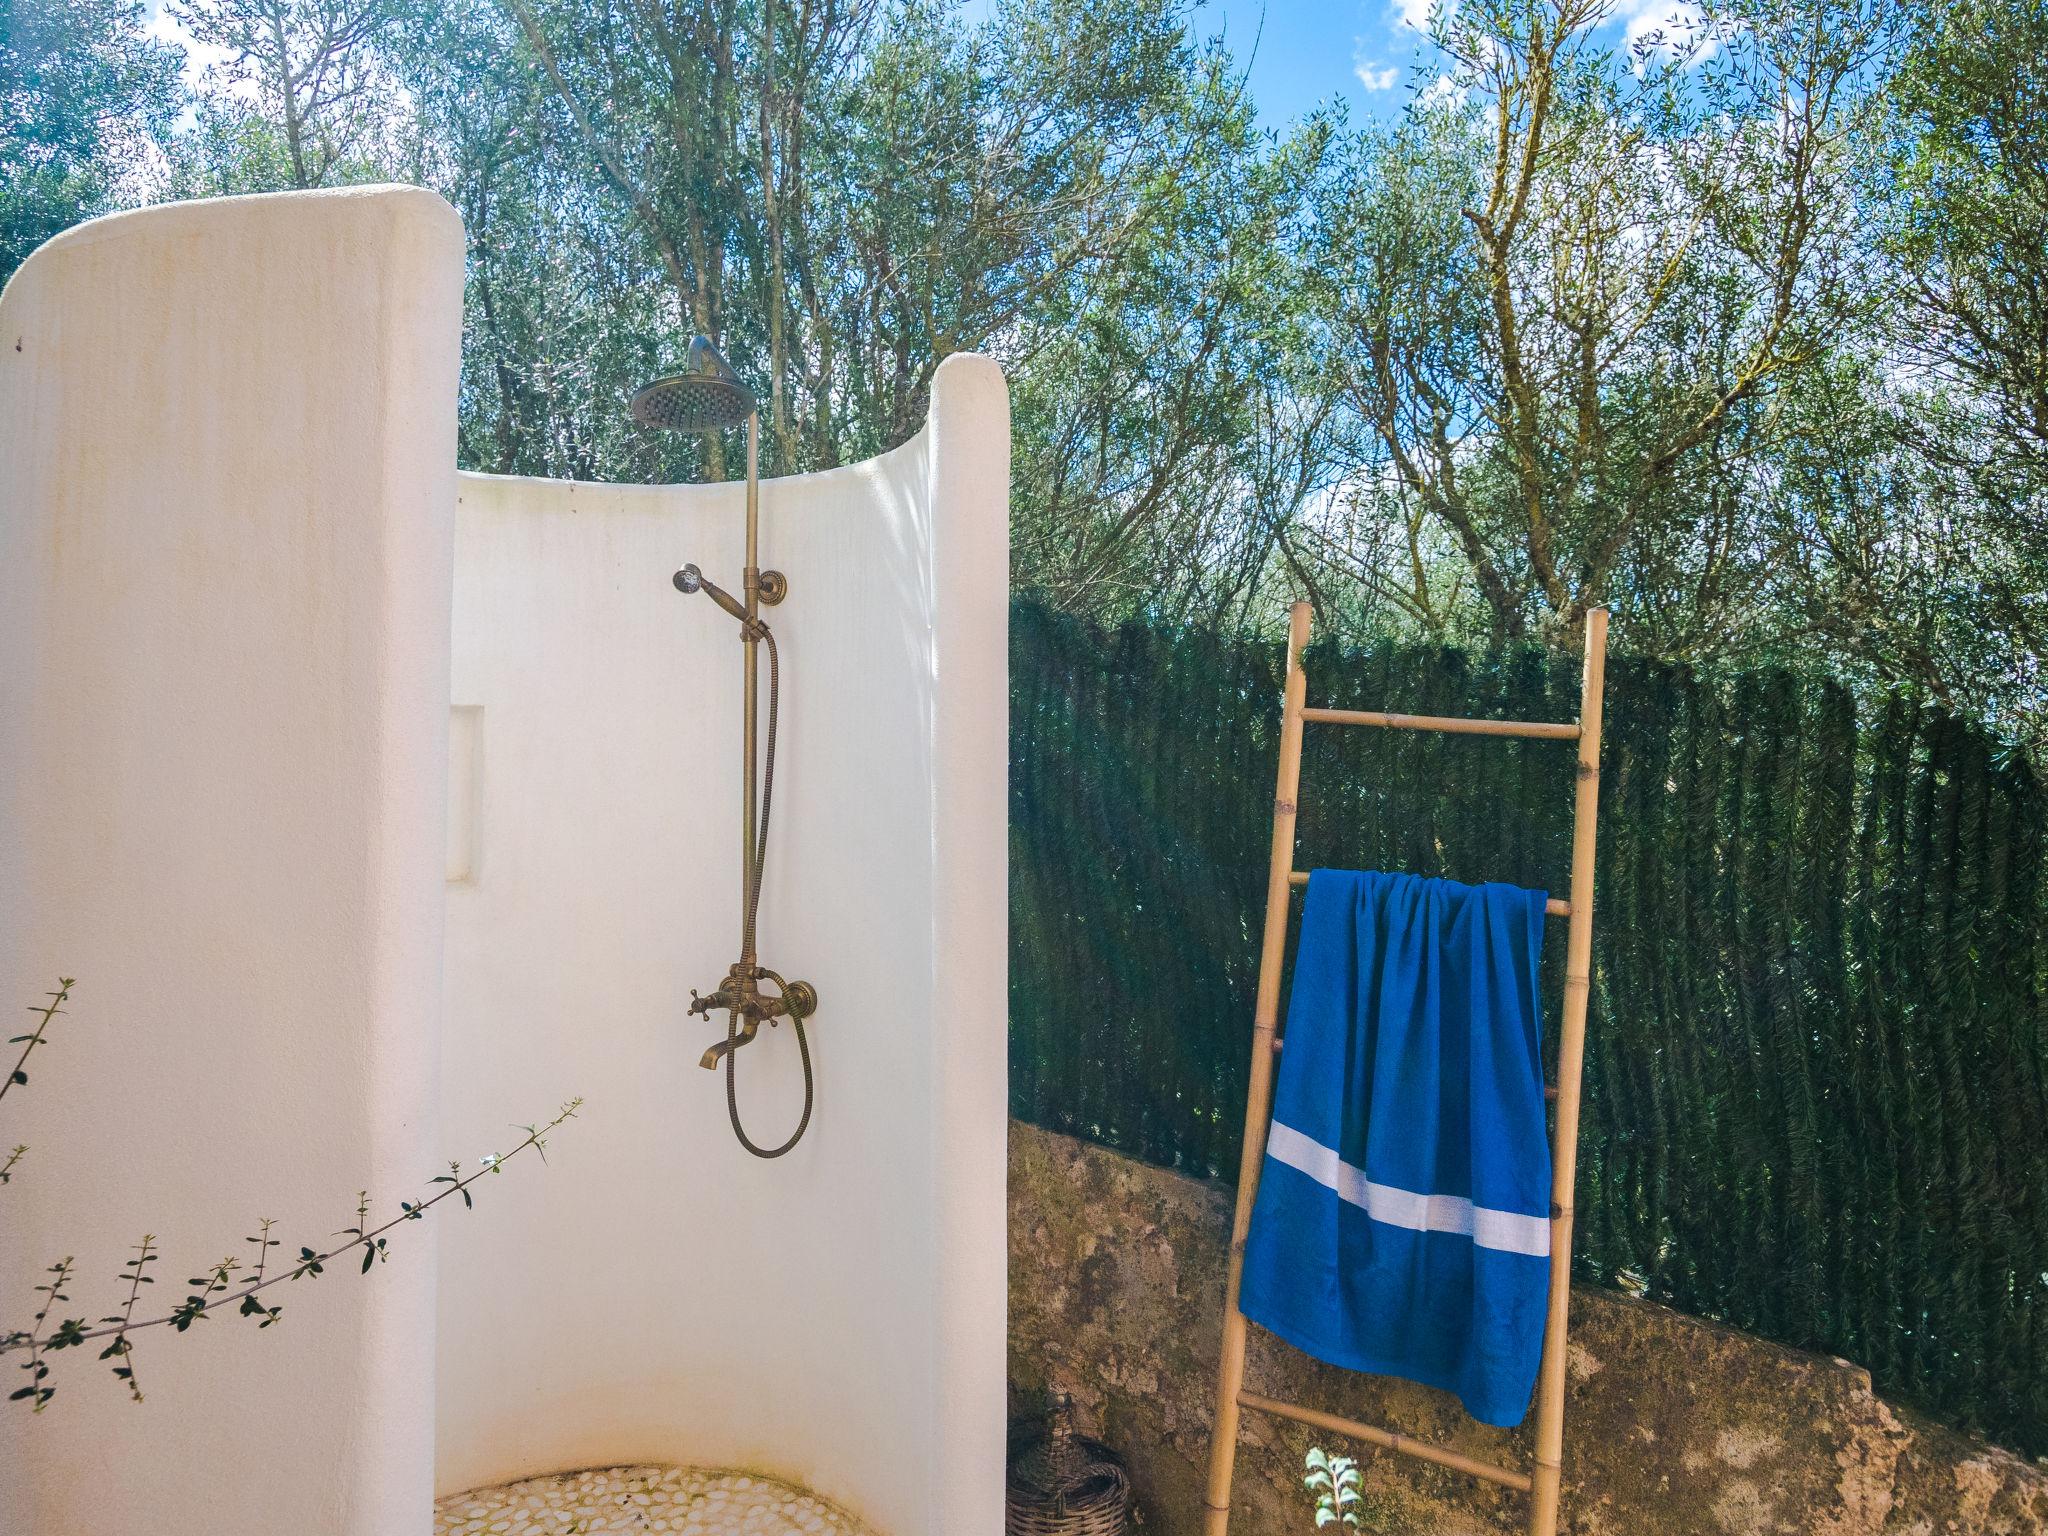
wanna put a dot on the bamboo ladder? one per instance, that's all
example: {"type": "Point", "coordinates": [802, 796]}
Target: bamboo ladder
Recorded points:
{"type": "Point", "coordinates": [1542, 1481]}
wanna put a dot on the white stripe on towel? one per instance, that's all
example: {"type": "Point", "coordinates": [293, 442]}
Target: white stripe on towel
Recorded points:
{"type": "Point", "coordinates": [1504, 1230]}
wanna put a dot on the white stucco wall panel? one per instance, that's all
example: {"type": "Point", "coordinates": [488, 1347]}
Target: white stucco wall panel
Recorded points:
{"type": "Point", "coordinates": [226, 439]}
{"type": "Point", "coordinates": [243, 792]}
{"type": "Point", "coordinates": [835, 1316]}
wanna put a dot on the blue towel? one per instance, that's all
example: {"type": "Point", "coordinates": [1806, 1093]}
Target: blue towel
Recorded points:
{"type": "Point", "coordinates": [1402, 1224]}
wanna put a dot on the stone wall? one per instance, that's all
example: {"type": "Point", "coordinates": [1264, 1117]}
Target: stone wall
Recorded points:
{"type": "Point", "coordinates": [1673, 1426]}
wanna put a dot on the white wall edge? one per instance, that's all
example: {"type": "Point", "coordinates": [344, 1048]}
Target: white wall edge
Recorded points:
{"type": "Point", "coordinates": [970, 484]}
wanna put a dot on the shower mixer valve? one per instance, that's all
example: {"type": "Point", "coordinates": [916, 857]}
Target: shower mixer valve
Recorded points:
{"type": "Point", "coordinates": [741, 996]}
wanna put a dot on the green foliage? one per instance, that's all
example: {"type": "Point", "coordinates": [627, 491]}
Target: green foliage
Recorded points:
{"type": "Point", "coordinates": [300, 96]}
{"type": "Point", "coordinates": [1732, 322]}
{"type": "Point", "coordinates": [17, 1077]}
{"type": "Point", "coordinates": [86, 97]}
{"type": "Point", "coordinates": [119, 1350]}
{"type": "Point", "coordinates": [1171, 417]}
{"type": "Point", "coordinates": [1819, 1024]}
{"type": "Point", "coordinates": [1577, 286]}
{"type": "Point", "coordinates": [38, 1392]}
{"type": "Point", "coordinates": [1969, 221]}
{"type": "Point", "coordinates": [228, 1282]}
{"type": "Point", "coordinates": [1334, 1482]}
{"type": "Point", "coordinates": [44, 1012]}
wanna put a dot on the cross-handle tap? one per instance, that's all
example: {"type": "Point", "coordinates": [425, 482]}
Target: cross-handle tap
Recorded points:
{"type": "Point", "coordinates": [725, 997]}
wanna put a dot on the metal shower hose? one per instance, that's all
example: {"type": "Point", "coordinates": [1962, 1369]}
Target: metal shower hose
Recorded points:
{"type": "Point", "coordinates": [732, 1020]}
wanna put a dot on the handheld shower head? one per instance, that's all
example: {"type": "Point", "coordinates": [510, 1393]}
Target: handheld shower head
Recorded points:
{"type": "Point", "coordinates": [707, 396]}
{"type": "Point", "coordinates": [690, 579]}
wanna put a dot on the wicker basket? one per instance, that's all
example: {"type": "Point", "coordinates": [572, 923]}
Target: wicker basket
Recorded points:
{"type": "Point", "coordinates": [1064, 1484]}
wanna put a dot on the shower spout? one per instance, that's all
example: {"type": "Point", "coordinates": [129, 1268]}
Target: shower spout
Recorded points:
{"type": "Point", "coordinates": [709, 397]}
{"type": "Point", "coordinates": [709, 1060]}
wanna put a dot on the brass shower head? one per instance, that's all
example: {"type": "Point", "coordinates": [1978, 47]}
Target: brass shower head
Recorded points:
{"type": "Point", "coordinates": [707, 396]}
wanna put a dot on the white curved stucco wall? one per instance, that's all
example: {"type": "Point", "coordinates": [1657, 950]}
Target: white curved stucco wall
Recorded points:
{"type": "Point", "coordinates": [227, 508]}
{"type": "Point", "coordinates": [835, 1316]}
{"type": "Point", "coordinates": [226, 446]}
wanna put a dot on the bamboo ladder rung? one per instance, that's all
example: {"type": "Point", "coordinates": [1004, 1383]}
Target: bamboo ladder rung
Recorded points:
{"type": "Point", "coordinates": [1389, 1440]}
{"type": "Point", "coordinates": [1457, 725]}
{"type": "Point", "coordinates": [1553, 907]}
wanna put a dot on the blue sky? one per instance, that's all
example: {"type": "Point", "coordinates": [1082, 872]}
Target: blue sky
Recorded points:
{"type": "Point", "coordinates": [1309, 51]}
{"type": "Point", "coordinates": [1305, 52]}
{"type": "Point", "coordinates": [1302, 53]}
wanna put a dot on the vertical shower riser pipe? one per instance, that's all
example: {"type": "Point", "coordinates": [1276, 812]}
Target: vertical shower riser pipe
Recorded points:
{"type": "Point", "coordinates": [750, 591]}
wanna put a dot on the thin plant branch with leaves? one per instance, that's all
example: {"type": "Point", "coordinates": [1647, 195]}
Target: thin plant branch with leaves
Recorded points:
{"type": "Point", "coordinates": [223, 1285]}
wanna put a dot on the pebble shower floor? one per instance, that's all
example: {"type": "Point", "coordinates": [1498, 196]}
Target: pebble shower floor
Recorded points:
{"type": "Point", "coordinates": [627, 1501]}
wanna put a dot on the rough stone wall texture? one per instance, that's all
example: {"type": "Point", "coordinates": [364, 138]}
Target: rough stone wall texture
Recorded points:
{"type": "Point", "coordinates": [1673, 1426]}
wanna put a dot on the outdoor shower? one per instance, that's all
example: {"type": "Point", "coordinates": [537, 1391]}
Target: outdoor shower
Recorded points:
{"type": "Point", "coordinates": [708, 397]}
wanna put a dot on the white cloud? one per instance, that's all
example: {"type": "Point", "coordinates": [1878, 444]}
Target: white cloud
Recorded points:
{"type": "Point", "coordinates": [1673, 28]}
{"type": "Point", "coordinates": [1375, 77]}
{"type": "Point", "coordinates": [1415, 13]}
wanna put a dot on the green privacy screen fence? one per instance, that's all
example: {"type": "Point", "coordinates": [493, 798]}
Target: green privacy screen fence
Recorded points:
{"type": "Point", "coordinates": [1817, 1061]}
